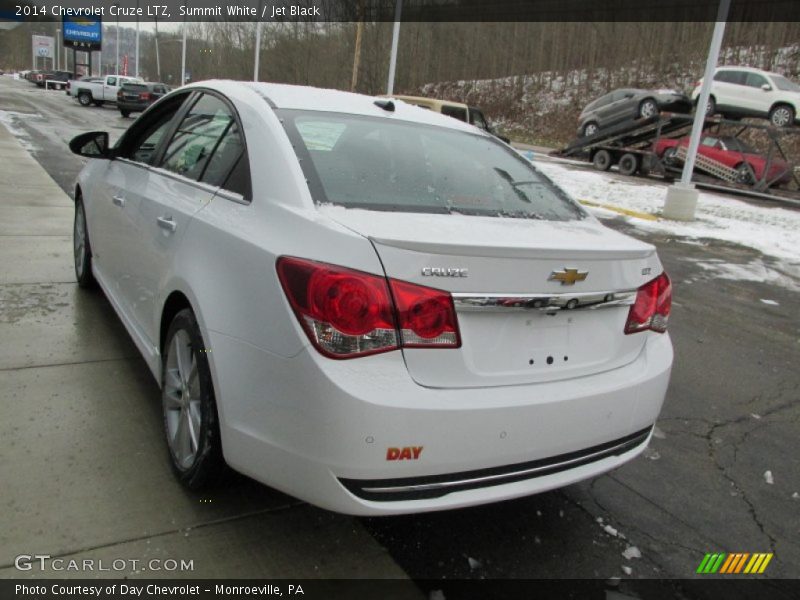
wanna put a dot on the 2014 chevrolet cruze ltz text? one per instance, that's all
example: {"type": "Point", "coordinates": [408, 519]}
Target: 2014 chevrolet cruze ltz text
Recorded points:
{"type": "Point", "coordinates": [367, 305]}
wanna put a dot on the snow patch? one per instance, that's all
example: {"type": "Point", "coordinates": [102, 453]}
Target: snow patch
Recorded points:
{"type": "Point", "coordinates": [632, 552]}
{"type": "Point", "coordinates": [768, 477]}
{"type": "Point", "coordinates": [774, 231]}
{"type": "Point", "coordinates": [769, 302]}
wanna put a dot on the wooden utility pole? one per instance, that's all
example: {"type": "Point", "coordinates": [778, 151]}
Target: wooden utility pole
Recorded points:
{"type": "Point", "coordinates": [357, 56]}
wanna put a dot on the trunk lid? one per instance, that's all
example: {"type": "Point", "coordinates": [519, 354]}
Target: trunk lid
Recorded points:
{"type": "Point", "coordinates": [500, 272]}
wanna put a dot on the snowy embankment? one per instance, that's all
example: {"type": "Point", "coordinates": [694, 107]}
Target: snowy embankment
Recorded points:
{"type": "Point", "coordinates": [773, 231]}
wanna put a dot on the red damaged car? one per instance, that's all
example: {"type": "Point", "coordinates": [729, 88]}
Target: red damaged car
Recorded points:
{"type": "Point", "coordinates": [731, 152]}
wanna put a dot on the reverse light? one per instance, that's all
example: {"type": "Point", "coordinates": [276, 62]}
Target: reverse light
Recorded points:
{"type": "Point", "coordinates": [651, 309]}
{"type": "Point", "coordinates": [348, 313]}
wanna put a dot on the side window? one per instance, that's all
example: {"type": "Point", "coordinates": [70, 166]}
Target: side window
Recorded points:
{"type": "Point", "coordinates": [738, 77]}
{"type": "Point", "coordinates": [457, 112]}
{"type": "Point", "coordinates": [229, 157]}
{"type": "Point", "coordinates": [723, 76]}
{"type": "Point", "coordinates": [709, 141]}
{"type": "Point", "coordinates": [142, 140]}
{"type": "Point", "coordinates": [197, 137]}
{"type": "Point", "coordinates": [111, 81]}
{"type": "Point", "coordinates": [603, 101]}
{"type": "Point", "coordinates": [755, 80]}
{"type": "Point", "coordinates": [477, 119]}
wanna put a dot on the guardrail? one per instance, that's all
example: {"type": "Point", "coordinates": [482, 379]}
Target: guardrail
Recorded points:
{"type": "Point", "coordinates": [59, 85]}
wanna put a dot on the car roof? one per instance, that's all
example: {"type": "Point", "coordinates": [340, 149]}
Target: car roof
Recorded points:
{"type": "Point", "coordinates": [308, 98]}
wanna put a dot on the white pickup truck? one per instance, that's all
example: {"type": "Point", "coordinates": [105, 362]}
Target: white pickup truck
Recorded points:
{"type": "Point", "coordinates": [100, 91]}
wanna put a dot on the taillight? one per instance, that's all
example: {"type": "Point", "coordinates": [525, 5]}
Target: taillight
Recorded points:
{"type": "Point", "coordinates": [427, 317]}
{"type": "Point", "coordinates": [144, 96]}
{"type": "Point", "coordinates": [651, 309]}
{"type": "Point", "coordinates": [348, 313]}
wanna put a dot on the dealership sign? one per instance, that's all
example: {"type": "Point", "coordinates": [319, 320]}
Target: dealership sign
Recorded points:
{"type": "Point", "coordinates": [83, 33]}
{"type": "Point", "coordinates": [43, 46]}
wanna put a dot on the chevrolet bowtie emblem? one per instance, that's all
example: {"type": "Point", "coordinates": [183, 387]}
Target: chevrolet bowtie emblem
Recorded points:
{"type": "Point", "coordinates": [568, 276]}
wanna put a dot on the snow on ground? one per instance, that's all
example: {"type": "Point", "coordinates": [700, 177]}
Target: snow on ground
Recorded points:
{"type": "Point", "coordinates": [9, 118]}
{"type": "Point", "coordinates": [773, 231]}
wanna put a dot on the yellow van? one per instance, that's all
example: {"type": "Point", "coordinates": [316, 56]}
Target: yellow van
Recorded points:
{"type": "Point", "coordinates": [457, 110]}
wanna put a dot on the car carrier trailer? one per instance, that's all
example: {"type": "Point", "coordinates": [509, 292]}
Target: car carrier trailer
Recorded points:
{"type": "Point", "coordinates": [630, 146]}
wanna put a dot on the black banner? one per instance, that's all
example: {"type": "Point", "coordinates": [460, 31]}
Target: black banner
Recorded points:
{"type": "Point", "coordinates": [733, 588]}
{"type": "Point", "coordinates": [412, 10]}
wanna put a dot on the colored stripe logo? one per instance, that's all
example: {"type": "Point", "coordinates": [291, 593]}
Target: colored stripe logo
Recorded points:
{"type": "Point", "coordinates": [734, 563]}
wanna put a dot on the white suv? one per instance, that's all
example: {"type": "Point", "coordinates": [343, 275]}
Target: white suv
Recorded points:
{"type": "Point", "coordinates": [747, 92]}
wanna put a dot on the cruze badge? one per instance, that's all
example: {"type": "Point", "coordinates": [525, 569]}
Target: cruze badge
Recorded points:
{"type": "Point", "coordinates": [568, 276]}
{"type": "Point", "coordinates": [444, 272]}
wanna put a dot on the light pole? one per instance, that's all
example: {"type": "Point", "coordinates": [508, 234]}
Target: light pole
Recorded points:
{"type": "Point", "coordinates": [158, 58]}
{"type": "Point", "coordinates": [136, 68]}
{"type": "Point", "coordinates": [116, 69]}
{"type": "Point", "coordinates": [681, 201]}
{"type": "Point", "coordinates": [183, 55]}
{"type": "Point", "coordinates": [258, 50]}
{"type": "Point", "coordinates": [398, 8]}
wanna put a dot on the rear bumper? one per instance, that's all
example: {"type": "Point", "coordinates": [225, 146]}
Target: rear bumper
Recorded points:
{"type": "Point", "coordinates": [320, 429]}
{"type": "Point", "coordinates": [132, 106]}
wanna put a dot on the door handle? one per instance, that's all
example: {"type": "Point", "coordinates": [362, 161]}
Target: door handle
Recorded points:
{"type": "Point", "coordinates": [118, 200]}
{"type": "Point", "coordinates": [167, 223]}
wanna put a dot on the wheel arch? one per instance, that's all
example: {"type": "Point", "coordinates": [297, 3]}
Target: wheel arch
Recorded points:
{"type": "Point", "coordinates": [175, 302]}
{"type": "Point", "coordinates": [778, 103]}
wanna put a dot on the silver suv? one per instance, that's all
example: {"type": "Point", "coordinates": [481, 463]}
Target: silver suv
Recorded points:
{"type": "Point", "coordinates": [747, 92]}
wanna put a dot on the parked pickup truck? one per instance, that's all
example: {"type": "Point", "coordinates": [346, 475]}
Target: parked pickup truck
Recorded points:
{"type": "Point", "coordinates": [98, 92]}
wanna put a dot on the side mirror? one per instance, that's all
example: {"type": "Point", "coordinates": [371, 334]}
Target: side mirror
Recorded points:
{"type": "Point", "coordinates": [766, 87]}
{"type": "Point", "coordinates": [91, 145]}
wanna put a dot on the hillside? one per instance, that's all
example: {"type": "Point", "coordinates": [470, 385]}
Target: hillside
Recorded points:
{"type": "Point", "coordinates": [543, 107]}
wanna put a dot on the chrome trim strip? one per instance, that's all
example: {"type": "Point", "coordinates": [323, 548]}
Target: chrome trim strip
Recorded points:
{"type": "Point", "coordinates": [606, 452]}
{"type": "Point", "coordinates": [232, 196]}
{"type": "Point", "coordinates": [544, 302]}
{"type": "Point", "coordinates": [212, 189]}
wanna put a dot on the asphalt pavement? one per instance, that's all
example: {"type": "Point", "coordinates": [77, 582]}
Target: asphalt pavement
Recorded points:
{"type": "Point", "coordinates": [80, 439]}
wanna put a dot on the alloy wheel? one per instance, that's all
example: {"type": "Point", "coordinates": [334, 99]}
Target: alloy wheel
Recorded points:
{"type": "Point", "coordinates": [182, 400]}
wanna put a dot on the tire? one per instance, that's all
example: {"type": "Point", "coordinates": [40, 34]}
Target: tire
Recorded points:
{"type": "Point", "coordinates": [191, 424]}
{"type": "Point", "coordinates": [711, 107]}
{"type": "Point", "coordinates": [628, 164]}
{"type": "Point", "coordinates": [648, 109]}
{"type": "Point", "coordinates": [781, 115]}
{"type": "Point", "coordinates": [670, 157]}
{"type": "Point", "coordinates": [85, 98]}
{"type": "Point", "coordinates": [125, 113]}
{"type": "Point", "coordinates": [745, 174]}
{"type": "Point", "coordinates": [590, 129]}
{"type": "Point", "coordinates": [81, 248]}
{"type": "Point", "coordinates": [602, 160]}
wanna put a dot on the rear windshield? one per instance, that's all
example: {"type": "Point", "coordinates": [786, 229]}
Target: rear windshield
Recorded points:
{"type": "Point", "coordinates": [379, 164]}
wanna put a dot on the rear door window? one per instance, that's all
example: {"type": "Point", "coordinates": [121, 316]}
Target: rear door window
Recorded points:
{"type": "Point", "coordinates": [755, 80]}
{"type": "Point", "coordinates": [197, 136]}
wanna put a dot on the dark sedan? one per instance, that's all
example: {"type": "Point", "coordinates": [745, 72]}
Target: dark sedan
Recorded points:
{"type": "Point", "coordinates": [137, 96]}
{"type": "Point", "coordinates": [629, 105]}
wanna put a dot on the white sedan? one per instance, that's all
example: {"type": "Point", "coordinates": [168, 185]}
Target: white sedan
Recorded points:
{"type": "Point", "coordinates": [367, 305]}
